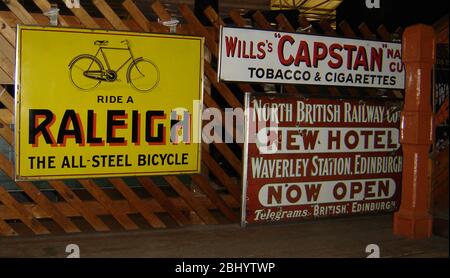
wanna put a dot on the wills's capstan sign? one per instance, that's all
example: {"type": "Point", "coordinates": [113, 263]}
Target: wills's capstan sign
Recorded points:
{"type": "Point", "coordinates": [249, 55]}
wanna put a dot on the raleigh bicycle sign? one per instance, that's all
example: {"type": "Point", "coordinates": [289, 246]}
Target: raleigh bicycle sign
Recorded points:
{"type": "Point", "coordinates": [248, 55]}
{"type": "Point", "coordinates": [93, 103]}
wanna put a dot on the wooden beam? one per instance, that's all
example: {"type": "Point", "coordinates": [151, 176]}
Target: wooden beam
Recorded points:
{"type": "Point", "coordinates": [7, 49]}
{"type": "Point", "coordinates": [346, 29]}
{"type": "Point", "coordinates": [184, 193]}
{"type": "Point", "coordinates": [6, 133]}
{"type": "Point", "coordinates": [85, 18]}
{"type": "Point", "coordinates": [326, 27]}
{"type": "Point", "coordinates": [110, 15]}
{"type": "Point", "coordinates": [159, 10]}
{"type": "Point", "coordinates": [204, 185]}
{"type": "Point", "coordinates": [164, 201]}
{"type": "Point", "coordinates": [262, 21]}
{"type": "Point", "coordinates": [7, 65]}
{"type": "Point", "coordinates": [136, 202]}
{"type": "Point", "coordinates": [108, 204]}
{"type": "Point", "coordinates": [199, 29]}
{"type": "Point", "coordinates": [42, 201]}
{"type": "Point", "coordinates": [234, 161]}
{"type": "Point", "coordinates": [6, 230]}
{"type": "Point", "coordinates": [284, 24]}
{"type": "Point", "coordinates": [222, 176]}
{"type": "Point", "coordinates": [6, 99]}
{"type": "Point", "coordinates": [21, 13]}
{"type": "Point", "coordinates": [122, 205]}
{"type": "Point", "coordinates": [367, 33]}
{"type": "Point", "coordinates": [237, 18]}
{"type": "Point", "coordinates": [7, 32]}
{"type": "Point", "coordinates": [6, 116]}
{"type": "Point", "coordinates": [5, 78]}
{"type": "Point", "coordinates": [137, 15]}
{"type": "Point", "coordinates": [213, 17]}
{"type": "Point", "coordinates": [72, 199]}
{"type": "Point", "coordinates": [384, 33]}
{"type": "Point", "coordinates": [6, 166]}
{"type": "Point", "coordinates": [22, 213]}
{"type": "Point", "coordinates": [225, 92]}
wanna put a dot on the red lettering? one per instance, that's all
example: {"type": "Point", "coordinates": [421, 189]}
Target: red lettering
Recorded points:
{"type": "Point", "coordinates": [283, 60]}
{"type": "Point", "coordinates": [390, 53]}
{"type": "Point", "coordinates": [366, 134]}
{"type": "Point", "coordinates": [252, 55]}
{"type": "Point", "coordinates": [262, 53]}
{"type": "Point", "coordinates": [320, 53]}
{"type": "Point", "coordinates": [290, 139]}
{"type": "Point", "coordinates": [230, 46]}
{"type": "Point", "coordinates": [339, 195]}
{"type": "Point", "coordinates": [239, 49]}
{"type": "Point", "coordinates": [361, 59]}
{"type": "Point", "coordinates": [273, 192]}
{"type": "Point", "coordinates": [391, 144]}
{"type": "Point", "coordinates": [335, 56]}
{"type": "Point", "coordinates": [244, 46]}
{"type": "Point", "coordinates": [297, 194]}
{"type": "Point", "coordinates": [312, 192]}
{"type": "Point", "coordinates": [378, 138]}
{"type": "Point", "coordinates": [310, 139]}
{"type": "Point", "coordinates": [376, 58]}
{"type": "Point", "coordinates": [349, 49]}
{"type": "Point", "coordinates": [334, 139]}
{"type": "Point", "coordinates": [368, 193]}
{"type": "Point", "coordinates": [355, 188]}
{"type": "Point", "coordinates": [351, 134]}
{"type": "Point", "coordinates": [303, 54]}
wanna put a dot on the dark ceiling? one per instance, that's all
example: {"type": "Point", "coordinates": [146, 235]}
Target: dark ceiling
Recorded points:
{"type": "Point", "coordinates": [392, 13]}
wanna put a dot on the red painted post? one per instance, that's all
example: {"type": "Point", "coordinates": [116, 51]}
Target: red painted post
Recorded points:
{"type": "Point", "coordinates": [413, 220]}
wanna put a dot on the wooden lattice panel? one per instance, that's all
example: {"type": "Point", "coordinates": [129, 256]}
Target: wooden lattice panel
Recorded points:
{"type": "Point", "coordinates": [212, 197]}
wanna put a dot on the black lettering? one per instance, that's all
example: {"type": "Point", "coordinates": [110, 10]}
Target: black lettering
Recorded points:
{"type": "Point", "coordinates": [70, 117]}
{"type": "Point", "coordinates": [159, 137]}
{"type": "Point", "coordinates": [136, 122]}
{"type": "Point", "coordinates": [111, 124]}
{"type": "Point", "coordinates": [91, 127]}
{"type": "Point", "coordinates": [43, 128]}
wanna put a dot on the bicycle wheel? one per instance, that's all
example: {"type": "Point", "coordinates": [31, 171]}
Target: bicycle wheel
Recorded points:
{"type": "Point", "coordinates": [77, 68]}
{"type": "Point", "coordinates": [143, 75]}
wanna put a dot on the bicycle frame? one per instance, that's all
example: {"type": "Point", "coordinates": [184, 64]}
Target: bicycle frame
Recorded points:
{"type": "Point", "coordinates": [105, 58]}
{"type": "Point", "coordinates": [104, 72]}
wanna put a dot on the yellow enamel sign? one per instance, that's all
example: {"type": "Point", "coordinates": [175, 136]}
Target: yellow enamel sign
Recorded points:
{"type": "Point", "coordinates": [92, 103]}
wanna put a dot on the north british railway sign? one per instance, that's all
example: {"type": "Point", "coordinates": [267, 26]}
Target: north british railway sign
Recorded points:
{"type": "Point", "coordinates": [312, 158]}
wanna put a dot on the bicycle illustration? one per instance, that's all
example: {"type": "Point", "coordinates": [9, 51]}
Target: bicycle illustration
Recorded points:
{"type": "Point", "coordinates": [87, 71]}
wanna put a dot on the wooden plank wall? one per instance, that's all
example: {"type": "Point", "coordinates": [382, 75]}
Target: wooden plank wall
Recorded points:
{"type": "Point", "coordinates": [212, 197]}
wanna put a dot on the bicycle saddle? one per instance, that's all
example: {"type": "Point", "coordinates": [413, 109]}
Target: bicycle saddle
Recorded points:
{"type": "Point", "coordinates": [101, 43]}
